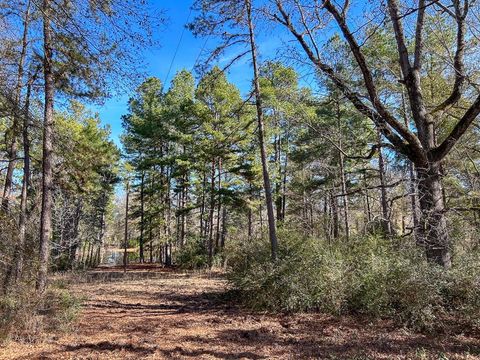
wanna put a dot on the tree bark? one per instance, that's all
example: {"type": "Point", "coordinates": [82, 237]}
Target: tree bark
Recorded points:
{"type": "Point", "coordinates": [184, 214]}
{"type": "Point", "coordinates": [101, 236]}
{"type": "Point", "coordinates": [385, 221]}
{"type": "Point", "coordinates": [334, 210]}
{"type": "Point", "coordinates": [12, 151]}
{"type": "Point", "coordinates": [278, 178]}
{"type": "Point", "coordinates": [433, 233]}
{"type": "Point", "coordinates": [142, 218]}
{"type": "Point", "coordinates": [16, 273]}
{"type": "Point", "coordinates": [211, 214]}
{"type": "Point", "coordinates": [74, 247]}
{"type": "Point", "coordinates": [150, 240]}
{"type": "Point", "coordinates": [47, 166]}
{"type": "Point", "coordinates": [284, 184]}
{"type": "Point", "coordinates": [87, 260]}
{"type": "Point", "coordinates": [125, 239]}
{"type": "Point", "coordinates": [202, 206]}
{"type": "Point", "coordinates": [325, 218]}
{"type": "Point", "coordinates": [366, 199]}
{"type": "Point", "coordinates": [344, 197]}
{"type": "Point", "coordinates": [342, 171]}
{"type": "Point", "coordinates": [224, 228]}
{"type": "Point", "coordinates": [219, 206]}
{"type": "Point", "coordinates": [261, 136]}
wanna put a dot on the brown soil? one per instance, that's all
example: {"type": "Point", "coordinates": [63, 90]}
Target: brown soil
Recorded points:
{"type": "Point", "coordinates": [173, 315]}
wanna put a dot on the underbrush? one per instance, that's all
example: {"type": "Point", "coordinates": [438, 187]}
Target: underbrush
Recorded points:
{"type": "Point", "coordinates": [193, 256]}
{"type": "Point", "coordinates": [25, 316]}
{"type": "Point", "coordinates": [372, 276]}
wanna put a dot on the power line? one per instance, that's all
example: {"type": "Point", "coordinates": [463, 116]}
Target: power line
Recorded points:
{"type": "Point", "coordinates": [178, 47]}
{"type": "Point", "coordinates": [200, 53]}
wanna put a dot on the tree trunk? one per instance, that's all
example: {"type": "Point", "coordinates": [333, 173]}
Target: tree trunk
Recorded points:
{"type": "Point", "coordinates": [341, 161]}
{"type": "Point", "coordinates": [250, 224]}
{"type": "Point", "coordinates": [150, 240]}
{"type": "Point", "coordinates": [22, 221]}
{"type": "Point", "coordinates": [224, 228]}
{"type": "Point", "coordinates": [142, 218]}
{"type": "Point", "coordinates": [416, 214]}
{"type": "Point", "coordinates": [284, 185]}
{"type": "Point", "coordinates": [366, 199]}
{"type": "Point", "coordinates": [87, 260]}
{"type": "Point", "coordinates": [91, 261]}
{"type": "Point", "coordinates": [100, 238]}
{"type": "Point", "coordinates": [168, 201]}
{"type": "Point", "coordinates": [433, 225]}
{"type": "Point", "coordinates": [12, 151]}
{"type": "Point", "coordinates": [326, 220]}
{"type": "Point", "coordinates": [334, 210]}
{"type": "Point", "coordinates": [344, 197]}
{"type": "Point", "coordinates": [386, 225]}
{"type": "Point", "coordinates": [184, 214]}
{"type": "Point", "coordinates": [74, 247]}
{"type": "Point", "coordinates": [202, 206]}
{"type": "Point", "coordinates": [261, 136]}
{"type": "Point", "coordinates": [412, 185]}
{"type": "Point", "coordinates": [125, 239]}
{"type": "Point", "coordinates": [168, 254]}
{"type": "Point", "coordinates": [219, 206]}
{"type": "Point", "coordinates": [211, 214]}
{"type": "Point", "coordinates": [278, 178]}
{"type": "Point", "coordinates": [47, 178]}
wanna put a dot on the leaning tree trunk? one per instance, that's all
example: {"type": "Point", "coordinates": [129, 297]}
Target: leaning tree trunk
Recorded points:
{"type": "Point", "coordinates": [272, 231]}
{"type": "Point", "coordinates": [433, 231]}
{"type": "Point", "coordinates": [16, 272]}
{"type": "Point", "coordinates": [47, 178]}
{"type": "Point", "coordinates": [12, 151]}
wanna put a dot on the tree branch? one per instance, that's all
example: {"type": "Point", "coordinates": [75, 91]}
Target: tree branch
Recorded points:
{"type": "Point", "coordinates": [444, 148]}
{"type": "Point", "coordinates": [368, 79]}
{"type": "Point", "coordinates": [458, 63]}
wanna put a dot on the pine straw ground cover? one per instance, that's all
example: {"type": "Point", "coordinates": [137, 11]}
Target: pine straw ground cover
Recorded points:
{"type": "Point", "coordinates": [159, 314]}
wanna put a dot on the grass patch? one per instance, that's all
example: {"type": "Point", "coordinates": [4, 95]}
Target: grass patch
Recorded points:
{"type": "Point", "coordinates": [26, 316]}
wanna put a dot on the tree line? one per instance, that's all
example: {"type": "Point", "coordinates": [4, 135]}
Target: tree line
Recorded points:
{"type": "Point", "coordinates": [59, 165]}
{"type": "Point", "coordinates": [382, 148]}
{"type": "Point", "coordinates": [382, 137]}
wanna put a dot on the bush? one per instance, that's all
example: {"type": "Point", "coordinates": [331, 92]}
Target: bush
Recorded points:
{"type": "Point", "coordinates": [299, 280]}
{"type": "Point", "coordinates": [60, 309]}
{"type": "Point", "coordinates": [371, 276]}
{"type": "Point", "coordinates": [26, 316]}
{"type": "Point", "coordinates": [193, 255]}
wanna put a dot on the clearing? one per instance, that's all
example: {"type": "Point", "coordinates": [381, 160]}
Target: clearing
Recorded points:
{"type": "Point", "coordinates": [154, 313]}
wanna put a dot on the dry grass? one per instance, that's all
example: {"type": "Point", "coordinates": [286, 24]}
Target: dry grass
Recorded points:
{"type": "Point", "coordinates": [170, 315]}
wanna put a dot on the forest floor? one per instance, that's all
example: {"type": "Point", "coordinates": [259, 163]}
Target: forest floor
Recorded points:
{"type": "Point", "coordinates": [155, 313]}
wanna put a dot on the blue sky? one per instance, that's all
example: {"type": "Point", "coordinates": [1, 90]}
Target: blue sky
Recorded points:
{"type": "Point", "coordinates": [177, 14]}
{"type": "Point", "coordinates": [159, 60]}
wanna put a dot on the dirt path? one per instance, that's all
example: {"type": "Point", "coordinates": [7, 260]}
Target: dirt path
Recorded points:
{"type": "Point", "coordinates": [177, 316]}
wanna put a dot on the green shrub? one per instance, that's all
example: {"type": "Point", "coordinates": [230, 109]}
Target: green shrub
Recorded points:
{"type": "Point", "coordinates": [372, 276]}
{"type": "Point", "coordinates": [299, 280]}
{"type": "Point", "coordinates": [462, 288]}
{"type": "Point", "coordinates": [193, 255]}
